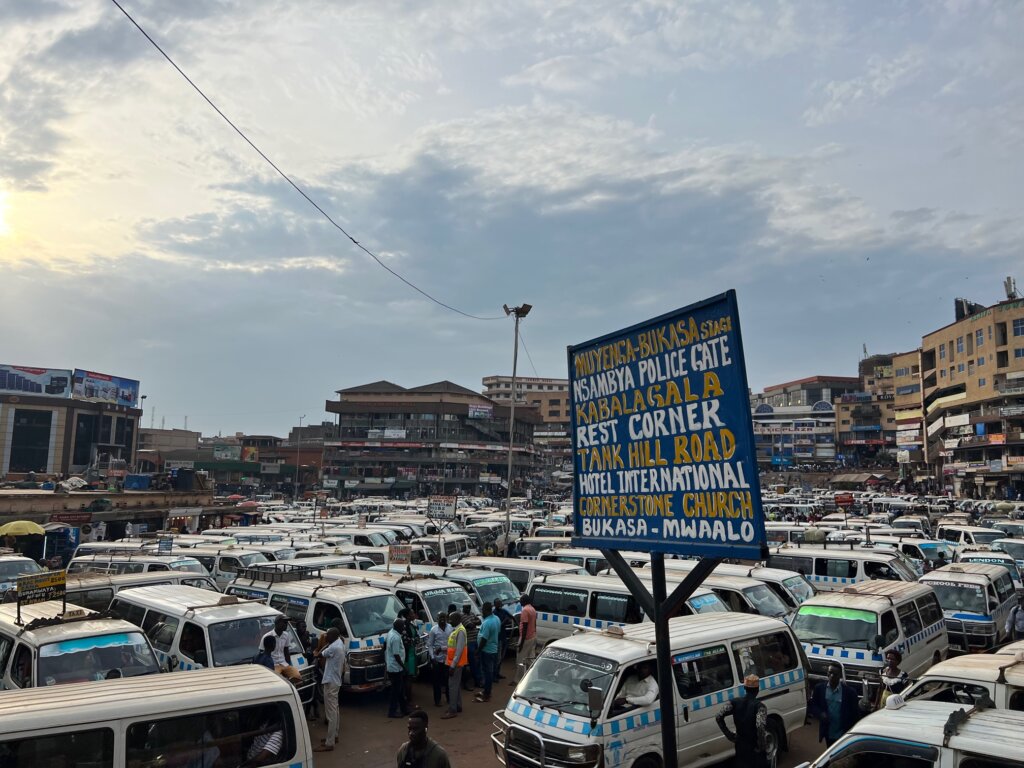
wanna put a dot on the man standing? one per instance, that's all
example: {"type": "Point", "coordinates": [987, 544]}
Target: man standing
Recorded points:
{"type": "Point", "coordinates": [750, 717]}
{"type": "Point", "coordinates": [457, 659]}
{"type": "Point", "coordinates": [507, 621]}
{"type": "Point", "coordinates": [1015, 624]}
{"type": "Point", "coordinates": [394, 652]}
{"type": "Point", "coordinates": [333, 655]}
{"type": "Point", "coordinates": [836, 706]}
{"type": "Point", "coordinates": [472, 626]}
{"type": "Point", "coordinates": [527, 636]}
{"type": "Point", "coordinates": [420, 751]}
{"type": "Point", "coordinates": [282, 654]}
{"type": "Point", "coordinates": [437, 649]}
{"type": "Point", "coordinates": [490, 629]}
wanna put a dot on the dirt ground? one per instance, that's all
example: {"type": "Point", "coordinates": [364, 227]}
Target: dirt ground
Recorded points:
{"type": "Point", "coordinates": [369, 739]}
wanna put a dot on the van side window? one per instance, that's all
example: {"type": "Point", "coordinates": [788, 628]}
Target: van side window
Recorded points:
{"type": "Point", "coordinates": [224, 737]}
{"type": "Point", "coordinates": [613, 607]}
{"type": "Point", "coordinates": [93, 748]}
{"type": "Point", "coordinates": [802, 565]}
{"type": "Point", "coordinates": [206, 561]}
{"type": "Point", "coordinates": [842, 569]}
{"type": "Point", "coordinates": [889, 630]}
{"type": "Point", "coordinates": [6, 644]}
{"type": "Point", "coordinates": [21, 667]}
{"type": "Point", "coordinates": [732, 599]}
{"type": "Point", "coordinates": [910, 619]}
{"type": "Point", "coordinates": [158, 567]}
{"type": "Point", "coordinates": [293, 608]}
{"type": "Point", "coordinates": [200, 582]}
{"type": "Point", "coordinates": [520, 578]}
{"type": "Point", "coordinates": [193, 644]}
{"type": "Point", "coordinates": [1004, 588]}
{"type": "Point", "coordinates": [131, 613]}
{"type": "Point", "coordinates": [880, 753]}
{"type": "Point", "coordinates": [765, 655]}
{"type": "Point", "coordinates": [161, 630]}
{"type": "Point", "coordinates": [882, 571]}
{"type": "Point", "coordinates": [570, 602]}
{"type": "Point", "coordinates": [96, 599]}
{"type": "Point", "coordinates": [324, 615]}
{"type": "Point", "coordinates": [699, 673]}
{"type": "Point", "coordinates": [229, 564]}
{"type": "Point", "coordinates": [931, 613]}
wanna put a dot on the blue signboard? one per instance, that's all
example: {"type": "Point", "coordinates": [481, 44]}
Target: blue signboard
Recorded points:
{"type": "Point", "coordinates": [101, 387]}
{"type": "Point", "coordinates": [662, 438]}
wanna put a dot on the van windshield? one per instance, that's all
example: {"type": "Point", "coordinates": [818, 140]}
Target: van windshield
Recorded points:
{"type": "Point", "coordinates": [986, 537]}
{"type": "Point", "coordinates": [798, 587]}
{"type": "Point", "coordinates": [10, 570]}
{"type": "Point", "coordinates": [1013, 548]}
{"type": "Point", "coordinates": [830, 625]}
{"type": "Point", "coordinates": [189, 566]}
{"type": "Point", "coordinates": [125, 654]}
{"type": "Point", "coordinates": [965, 598]}
{"type": "Point", "coordinates": [765, 602]}
{"type": "Point", "coordinates": [931, 551]}
{"type": "Point", "coordinates": [238, 641]}
{"type": "Point", "coordinates": [554, 680]}
{"type": "Point", "coordinates": [372, 615]}
{"type": "Point", "coordinates": [438, 600]}
{"type": "Point", "coordinates": [709, 603]}
{"type": "Point", "coordinates": [491, 588]}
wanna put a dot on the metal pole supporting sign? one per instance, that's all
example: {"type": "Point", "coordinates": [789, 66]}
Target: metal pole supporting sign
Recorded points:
{"type": "Point", "coordinates": [665, 462]}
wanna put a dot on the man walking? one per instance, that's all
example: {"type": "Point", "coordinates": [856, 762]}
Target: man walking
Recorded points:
{"type": "Point", "coordinates": [527, 636]}
{"type": "Point", "coordinates": [333, 655]}
{"type": "Point", "coordinates": [750, 717]}
{"type": "Point", "coordinates": [420, 751]}
{"type": "Point", "coordinates": [490, 629]}
{"type": "Point", "coordinates": [437, 650]}
{"type": "Point", "coordinates": [836, 705]}
{"type": "Point", "coordinates": [394, 652]}
{"type": "Point", "coordinates": [457, 659]}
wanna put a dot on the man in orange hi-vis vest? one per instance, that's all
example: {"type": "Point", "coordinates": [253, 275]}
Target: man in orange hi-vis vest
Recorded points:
{"type": "Point", "coordinates": [458, 658]}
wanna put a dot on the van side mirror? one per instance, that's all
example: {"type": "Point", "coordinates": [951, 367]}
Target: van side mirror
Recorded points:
{"type": "Point", "coordinates": [878, 642]}
{"type": "Point", "coordinates": [172, 663]}
{"type": "Point", "coordinates": [595, 698]}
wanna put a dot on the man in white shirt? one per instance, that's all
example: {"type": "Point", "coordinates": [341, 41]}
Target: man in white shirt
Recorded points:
{"type": "Point", "coordinates": [333, 654]}
{"type": "Point", "coordinates": [282, 654]}
{"type": "Point", "coordinates": [639, 690]}
{"type": "Point", "coordinates": [437, 648]}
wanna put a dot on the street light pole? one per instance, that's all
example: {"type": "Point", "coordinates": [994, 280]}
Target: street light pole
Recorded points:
{"type": "Point", "coordinates": [519, 313]}
{"type": "Point", "coordinates": [298, 446]}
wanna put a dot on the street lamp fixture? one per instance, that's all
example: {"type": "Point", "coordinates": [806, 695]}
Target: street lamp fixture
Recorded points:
{"type": "Point", "coordinates": [519, 313]}
{"type": "Point", "coordinates": [298, 445]}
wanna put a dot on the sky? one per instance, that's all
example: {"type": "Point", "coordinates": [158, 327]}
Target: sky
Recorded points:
{"type": "Point", "coordinates": [849, 168]}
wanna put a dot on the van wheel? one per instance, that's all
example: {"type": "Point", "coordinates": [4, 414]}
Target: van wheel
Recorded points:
{"type": "Point", "coordinates": [936, 658]}
{"type": "Point", "coordinates": [648, 761]}
{"type": "Point", "coordinates": [775, 741]}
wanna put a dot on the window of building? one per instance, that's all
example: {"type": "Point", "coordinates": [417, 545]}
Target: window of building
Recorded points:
{"type": "Point", "coordinates": [844, 421]}
{"type": "Point", "coordinates": [981, 382]}
{"type": "Point", "coordinates": [942, 373]}
{"type": "Point", "coordinates": [1018, 353]}
{"type": "Point", "coordinates": [1018, 326]}
{"type": "Point", "coordinates": [979, 337]}
{"type": "Point", "coordinates": [981, 359]}
{"type": "Point", "coordinates": [960, 368]}
{"type": "Point", "coordinates": [970, 367]}
{"type": "Point", "coordinates": [942, 351]}
{"type": "Point", "coordinates": [30, 440]}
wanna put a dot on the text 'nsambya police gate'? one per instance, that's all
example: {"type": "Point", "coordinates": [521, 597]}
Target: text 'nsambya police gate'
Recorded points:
{"type": "Point", "coordinates": [662, 437]}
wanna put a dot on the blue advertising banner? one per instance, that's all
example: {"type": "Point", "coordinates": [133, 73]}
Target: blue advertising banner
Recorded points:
{"type": "Point", "coordinates": [89, 385]}
{"type": "Point", "coordinates": [662, 437]}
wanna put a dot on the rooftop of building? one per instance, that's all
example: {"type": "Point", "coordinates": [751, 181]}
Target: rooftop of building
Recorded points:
{"type": "Point", "coordinates": [384, 387]}
{"type": "Point", "coordinates": [852, 380]}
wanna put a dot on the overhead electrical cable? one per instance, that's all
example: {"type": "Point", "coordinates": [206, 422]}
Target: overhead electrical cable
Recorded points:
{"type": "Point", "coordinates": [288, 179]}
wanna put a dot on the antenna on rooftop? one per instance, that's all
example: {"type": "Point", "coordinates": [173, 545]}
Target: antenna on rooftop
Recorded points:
{"type": "Point", "coordinates": [865, 348]}
{"type": "Point", "coordinates": [1010, 286]}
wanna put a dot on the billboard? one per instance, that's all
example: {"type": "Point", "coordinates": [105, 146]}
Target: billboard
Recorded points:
{"type": "Point", "coordinates": [45, 382]}
{"type": "Point", "coordinates": [250, 453]}
{"type": "Point", "coordinates": [441, 507]}
{"type": "Point", "coordinates": [479, 411]}
{"type": "Point", "coordinates": [270, 468]}
{"type": "Point", "coordinates": [662, 437]}
{"type": "Point", "coordinates": [227, 452]}
{"type": "Point", "coordinates": [89, 385]}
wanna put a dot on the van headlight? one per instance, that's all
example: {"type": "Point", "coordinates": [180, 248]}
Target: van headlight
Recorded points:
{"type": "Point", "coordinates": [584, 754]}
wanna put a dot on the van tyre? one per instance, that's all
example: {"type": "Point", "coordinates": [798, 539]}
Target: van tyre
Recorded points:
{"type": "Point", "coordinates": [648, 761]}
{"type": "Point", "coordinates": [936, 658]}
{"type": "Point", "coordinates": [775, 741]}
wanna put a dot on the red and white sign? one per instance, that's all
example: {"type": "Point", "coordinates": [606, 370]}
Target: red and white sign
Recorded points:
{"type": "Point", "coordinates": [844, 499]}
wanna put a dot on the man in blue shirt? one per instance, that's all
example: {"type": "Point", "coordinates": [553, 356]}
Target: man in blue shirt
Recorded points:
{"type": "Point", "coordinates": [837, 706]}
{"type": "Point", "coordinates": [394, 653]}
{"type": "Point", "coordinates": [487, 642]}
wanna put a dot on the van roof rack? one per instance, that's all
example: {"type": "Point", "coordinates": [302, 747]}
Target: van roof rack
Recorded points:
{"type": "Point", "coordinates": [68, 617]}
{"type": "Point", "coordinates": [275, 573]}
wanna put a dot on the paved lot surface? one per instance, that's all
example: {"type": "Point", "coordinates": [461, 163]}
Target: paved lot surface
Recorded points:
{"type": "Point", "coordinates": [369, 739]}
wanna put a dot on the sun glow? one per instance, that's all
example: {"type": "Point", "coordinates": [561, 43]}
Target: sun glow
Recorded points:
{"type": "Point", "coordinates": [4, 229]}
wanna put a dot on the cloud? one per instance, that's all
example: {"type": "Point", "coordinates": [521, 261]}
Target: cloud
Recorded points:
{"type": "Point", "coordinates": [882, 78]}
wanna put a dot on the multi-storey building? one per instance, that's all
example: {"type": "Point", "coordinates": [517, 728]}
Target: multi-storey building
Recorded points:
{"type": "Point", "coordinates": [866, 419]}
{"type": "Point", "coordinates": [973, 397]}
{"type": "Point", "coordinates": [908, 409]}
{"type": "Point", "coordinates": [551, 399]}
{"type": "Point", "coordinates": [794, 422]}
{"type": "Point", "coordinates": [436, 438]}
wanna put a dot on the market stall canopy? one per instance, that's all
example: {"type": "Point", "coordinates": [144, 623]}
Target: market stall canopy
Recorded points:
{"type": "Point", "coordinates": [21, 528]}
